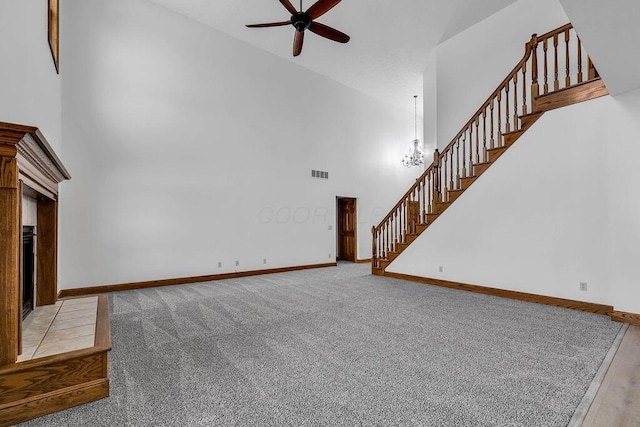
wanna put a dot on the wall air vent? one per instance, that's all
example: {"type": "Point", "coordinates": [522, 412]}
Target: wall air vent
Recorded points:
{"type": "Point", "coordinates": [319, 174]}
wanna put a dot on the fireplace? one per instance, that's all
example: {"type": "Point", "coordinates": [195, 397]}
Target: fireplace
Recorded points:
{"type": "Point", "coordinates": [30, 175]}
{"type": "Point", "coordinates": [28, 270]}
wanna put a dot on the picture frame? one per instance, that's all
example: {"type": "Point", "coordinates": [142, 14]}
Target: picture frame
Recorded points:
{"type": "Point", "coordinates": [54, 32]}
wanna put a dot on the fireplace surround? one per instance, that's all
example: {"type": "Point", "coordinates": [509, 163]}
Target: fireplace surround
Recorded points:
{"type": "Point", "coordinates": [58, 374]}
{"type": "Point", "coordinates": [28, 166]}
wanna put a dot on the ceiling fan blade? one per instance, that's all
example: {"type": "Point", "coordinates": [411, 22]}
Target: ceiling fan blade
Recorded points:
{"type": "Point", "coordinates": [297, 43]}
{"type": "Point", "coordinates": [328, 32]}
{"type": "Point", "coordinates": [271, 24]}
{"type": "Point", "coordinates": [286, 3]}
{"type": "Point", "coordinates": [321, 7]}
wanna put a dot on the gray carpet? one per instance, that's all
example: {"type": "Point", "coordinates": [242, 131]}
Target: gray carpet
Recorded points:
{"type": "Point", "coordinates": [338, 346]}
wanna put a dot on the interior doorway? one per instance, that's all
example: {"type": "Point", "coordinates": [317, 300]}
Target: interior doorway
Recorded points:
{"type": "Point", "coordinates": [347, 229]}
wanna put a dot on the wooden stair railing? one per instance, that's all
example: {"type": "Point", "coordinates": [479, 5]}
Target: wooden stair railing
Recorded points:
{"type": "Point", "coordinates": [551, 74]}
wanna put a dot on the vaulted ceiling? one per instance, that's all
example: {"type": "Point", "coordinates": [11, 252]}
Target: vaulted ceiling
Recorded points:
{"type": "Point", "coordinates": [391, 41]}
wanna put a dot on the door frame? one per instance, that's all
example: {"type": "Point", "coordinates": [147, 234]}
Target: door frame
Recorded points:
{"type": "Point", "coordinates": [355, 228]}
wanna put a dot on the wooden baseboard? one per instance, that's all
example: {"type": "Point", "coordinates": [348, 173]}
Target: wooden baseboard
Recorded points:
{"type": "Point", "coordinates": [522, 296]}
{"type": "Point", "coordinates": [363, 261]}
{"type": "Point", "coordinates": [624, 317]}
{"type": "Point", "coordinates": [28, 409]}
{"type": "Point", "coordinates": [76, 292]}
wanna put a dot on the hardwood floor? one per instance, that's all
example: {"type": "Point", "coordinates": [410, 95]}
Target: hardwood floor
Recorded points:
{"type": "Point", "coordinates": [617, 402]}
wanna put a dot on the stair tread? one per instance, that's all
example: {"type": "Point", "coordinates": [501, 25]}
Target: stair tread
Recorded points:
{"type": "Point", "coordinates": [540, 103]}
{"type": "Point", "coordinates": [504, 147]}
{"type": "Point", "coordinates": [573, 86]}
{"type": "Point", "coordinates": [537, 113]}
{"type": "Point", "coordinates": [513, 132]}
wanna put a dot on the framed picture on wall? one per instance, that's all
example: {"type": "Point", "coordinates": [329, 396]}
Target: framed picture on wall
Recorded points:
{"type": "Point", "coordinates": [54, 20]}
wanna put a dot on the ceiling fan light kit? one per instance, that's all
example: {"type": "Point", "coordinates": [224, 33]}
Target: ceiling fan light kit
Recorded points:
{"type": "Point", "coordinates": [303, 21]}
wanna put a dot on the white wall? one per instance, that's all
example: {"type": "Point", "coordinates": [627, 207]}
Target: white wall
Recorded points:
{"type": "Point", "coordinates": [560, 207]}
{"type": "Point", "coordinates": [30, 88]}
{"type": "Point", "coordinates": [189, 148]}
{"type": "Point", "coordinates": [535, 221]}
{"type": "Point", "coordinates": [623, 199]}
{"type": "Point", "coordinates": [430, 107]}
{"type": "Point", "coordinates": [471, 65]}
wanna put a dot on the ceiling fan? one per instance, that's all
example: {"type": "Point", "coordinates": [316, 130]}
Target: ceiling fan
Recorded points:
{"type": "Point", "coordinates": [302, 21]}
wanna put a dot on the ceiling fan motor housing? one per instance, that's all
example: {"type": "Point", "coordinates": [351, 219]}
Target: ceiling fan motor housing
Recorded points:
{"type": "Point", "coordinates": [301, 21]}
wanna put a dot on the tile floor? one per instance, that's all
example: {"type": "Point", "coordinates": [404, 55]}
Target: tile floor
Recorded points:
{"type": "Point", "coordinates": [65, 326]}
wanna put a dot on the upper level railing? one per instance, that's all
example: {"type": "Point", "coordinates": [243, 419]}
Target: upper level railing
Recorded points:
{"type": "Point", "coordinates": [551, 62]}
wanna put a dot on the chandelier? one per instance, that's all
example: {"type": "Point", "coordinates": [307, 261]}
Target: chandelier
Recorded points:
{"type": "Point", "coordinates": [415, 156]}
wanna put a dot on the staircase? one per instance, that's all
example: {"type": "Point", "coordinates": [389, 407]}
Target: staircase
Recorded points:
{"type": "Point", "coordinates": [552, 74]}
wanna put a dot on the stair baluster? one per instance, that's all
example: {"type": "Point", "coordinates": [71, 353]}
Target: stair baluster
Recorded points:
{"type": "Point", "coordinates": [545, 45]}
{"type": "Point", "coordinates": [524, 89]}
{"type": "Point", "coordinates": [580, 77]}
{"type": "Point", "coordinates": [567, 65]}
{"type": "Point", "coordinates": [499, 129]}
{"type": "Point", "coordinates": [535, 88]}
{"type": "Point", "coordinates": [556, 70]}
{"type": "Point", "coordinates": [452, 172]}
{"type": "Point", "coordinates": [484, 134]}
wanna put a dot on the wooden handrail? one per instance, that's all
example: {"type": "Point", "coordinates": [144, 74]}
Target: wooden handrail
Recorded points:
{"type": "Point", "coordinates": [403, 198]}
{"type": "Point", "coordinates": [502, 85]}
{"type": "Point", "coordinates": [555, 32]}
{"type": "Point", "coordinates": [494, 126]}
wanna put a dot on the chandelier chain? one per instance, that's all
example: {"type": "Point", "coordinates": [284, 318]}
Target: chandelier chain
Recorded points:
{"type": "Point", "coordinates": [415, 111]}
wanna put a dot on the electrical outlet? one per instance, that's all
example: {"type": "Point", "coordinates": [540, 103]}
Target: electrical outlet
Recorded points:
{"type": "Point", "coordinates": [264, 261]}
{"type": "Point", "coordinates": [329, 255]}
{"type": "Point", "coordinates": [330, 227]}
{"type": "Point", "coordinates": [440, 269]}
{"type": "Point", "coordinates": [237, 263]}
{"type": "Point", "coordinates": [219, 265]}
{"type": "Point", "coordinates": [583, 286]}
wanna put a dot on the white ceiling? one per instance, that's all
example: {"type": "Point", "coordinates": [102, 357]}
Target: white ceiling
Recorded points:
{"type": "Point", "coordinates": [391, 41]}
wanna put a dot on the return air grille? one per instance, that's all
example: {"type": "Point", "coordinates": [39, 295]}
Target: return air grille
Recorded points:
{"type": "Point", "coordinates": [319, 174]}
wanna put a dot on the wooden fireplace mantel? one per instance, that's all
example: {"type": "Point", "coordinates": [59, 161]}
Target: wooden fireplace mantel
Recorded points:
{"type": "Point", "coordinates": [26, 159]}
{"type": "Point", "coordinates": [50, 382]}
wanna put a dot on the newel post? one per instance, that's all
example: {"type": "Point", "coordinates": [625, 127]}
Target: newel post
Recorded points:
{"type": "Point", "coordinates": [535, 87]}
{"type": "Point", "coordinates": [373, 243]}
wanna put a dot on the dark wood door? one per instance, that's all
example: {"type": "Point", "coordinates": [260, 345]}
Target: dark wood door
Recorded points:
{"type": "Point", "coordinates": [347, 229]}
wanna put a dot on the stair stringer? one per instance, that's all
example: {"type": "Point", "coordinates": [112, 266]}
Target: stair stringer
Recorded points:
{"type": "Point", "coordinates": [533, 222]}
{"type": "Point", "coordinates": [509, 140]}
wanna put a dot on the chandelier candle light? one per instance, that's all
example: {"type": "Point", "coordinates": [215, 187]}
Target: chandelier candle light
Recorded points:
{"type": "Point", "coordinates": [415, 156]}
